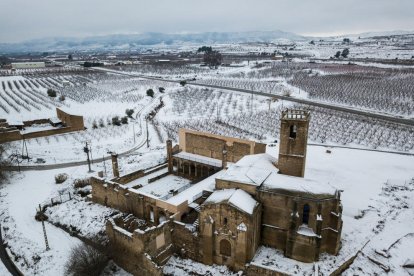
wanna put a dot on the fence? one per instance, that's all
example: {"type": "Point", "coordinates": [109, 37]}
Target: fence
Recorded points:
{"type": "Point", "coordinates": [62, 198]}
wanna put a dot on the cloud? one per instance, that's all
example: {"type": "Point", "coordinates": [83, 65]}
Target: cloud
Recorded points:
{"type": "Point", "coordinates": [23, 20]}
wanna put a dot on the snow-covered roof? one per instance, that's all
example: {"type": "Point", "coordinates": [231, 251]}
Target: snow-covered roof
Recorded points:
{"type": "Point", "coordinates": [283, 182]}
{"type": "Point", "coordinates": [251, 169]}
{"type": "Point", "coordinates": [55, 120]}
{"type": "Point", "coordinates": [235, 197]}
{"type": "Point", "coordinates": [15, 123]}
{"type": "Point", "coordinates": [258, 170]}
{"type": "Point", "coordinates": [199, 158]}
{"type": "Point", "coordinates": [191, 193]}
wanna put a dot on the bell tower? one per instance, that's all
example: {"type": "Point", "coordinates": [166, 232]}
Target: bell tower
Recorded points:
{"type": "Point", "coordinates": [293, 142]}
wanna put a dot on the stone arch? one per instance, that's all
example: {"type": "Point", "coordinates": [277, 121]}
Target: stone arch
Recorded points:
{"type": "Point", "coordinates": [225, 248]}
{"type": "Point", "coordinates": [305, 214]}
{"type": "Point", "coordinates": [162, 216]}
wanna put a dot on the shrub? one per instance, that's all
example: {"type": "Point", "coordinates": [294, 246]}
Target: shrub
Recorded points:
{"type": "Point", "coordinates": [51, 93]}
{"type": "Point", "coordinates": [85, 261]}
{"type": "Point", "coordinates": [60, 178]}
{"type": "Point", "coordinates": [62, 98]}
{"type": "Point", "coordinates": [161, 89]}
{"type": "Point", "coordinates": [101, 123]}
{"type": "Point", "coordinates": [129, 112]}
{"type": "Point", "coordinates": [124, 120]}
{"type": "Point", "coordinates": [81, 182]}
{"type": "Point", "coordinates": [150, 92]}
{"type": "Point", "coordinates": [345, 53]}
{"type": "Point", "coordinates": [94, 124]}
{"type": "Point", "coordinates": [116, 121]}
{"type": "Point", "coordinates": [338, 54]}
{"type": "Point", "coordinates": [183, 83]}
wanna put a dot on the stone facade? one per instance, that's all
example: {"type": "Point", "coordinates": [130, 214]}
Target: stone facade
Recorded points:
{"type": "Point", "coordinates": [229, 236]}
{"type": "Point", "coordinates": [211, 145]}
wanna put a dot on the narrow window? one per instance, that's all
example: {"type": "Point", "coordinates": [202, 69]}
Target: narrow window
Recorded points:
{"type": "Point", "coordinates": [293, 130]}
{"type": "Point", "coordinates": [225, 248]}
{"type": "Point", "coordinates": [225, 221]}
{"type": "Point", "coordinates": [305, 215]}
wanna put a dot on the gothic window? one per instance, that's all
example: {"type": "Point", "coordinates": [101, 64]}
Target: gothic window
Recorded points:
{"type": "Point", "coordinates": [225, 248]}
{"type": "Point", "coordinates": [293, 130]}
{"type": "Point", "coordinates": [305, 215]}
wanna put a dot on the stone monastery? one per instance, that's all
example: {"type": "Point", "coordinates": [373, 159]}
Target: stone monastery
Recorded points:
{"type": "Point", "coordinates": [218, 199]}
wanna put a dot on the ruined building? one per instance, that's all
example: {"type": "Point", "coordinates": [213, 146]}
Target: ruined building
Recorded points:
{"type": "Point", "coordinates": [218, 199]}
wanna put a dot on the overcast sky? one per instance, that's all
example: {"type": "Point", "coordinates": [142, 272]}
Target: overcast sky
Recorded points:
{"type": "Point", "coordinates": [28, 19]}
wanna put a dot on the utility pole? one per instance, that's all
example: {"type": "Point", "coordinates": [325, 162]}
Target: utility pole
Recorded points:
{"type": "Point", "coordinates": [90, 149]}
{"type": "Point", "coordinates": [133, 132]}
{"type": "Point", "coordinates": [24, 148]}
{"type": "Point", "coordinates": [86, 150]}
{"type": "Point", "coordinates": [104, 163]}
{"type": "Point", "coordinates": [42, 218]}
{"type": "Point", "coordinates": [146, 121]}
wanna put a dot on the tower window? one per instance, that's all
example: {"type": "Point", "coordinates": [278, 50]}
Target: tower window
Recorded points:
{"type": "Point", "coordinates": [225, 221]}
{"type": "Point", "coordinates": [305, 215]}
{"type": "Point", "coordinates": [293, 130]}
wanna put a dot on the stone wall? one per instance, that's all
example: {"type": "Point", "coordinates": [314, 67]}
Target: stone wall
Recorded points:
{"type": "Point", "coordinates": [186, 243]}
{"type": "Point", "coordinates": [73, 121]}
{"type": "Point", "coordinates": [254, 270]}
{"type": "Point", "coordinates": [211, 145]}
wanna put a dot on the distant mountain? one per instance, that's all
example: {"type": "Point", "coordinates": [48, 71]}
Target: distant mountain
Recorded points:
{"type": "Point", "coordinates": [133, 41]}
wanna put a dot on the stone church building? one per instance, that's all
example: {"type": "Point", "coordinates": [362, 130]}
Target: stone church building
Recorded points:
{"type": "Point", "coordinates": [223, 198]}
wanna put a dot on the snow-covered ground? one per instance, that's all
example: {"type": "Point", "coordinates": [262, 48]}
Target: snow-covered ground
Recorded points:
{"type": "Point", "coordinates": [23, 233]}
{"type": "Point", "coordinates": [377, 202]}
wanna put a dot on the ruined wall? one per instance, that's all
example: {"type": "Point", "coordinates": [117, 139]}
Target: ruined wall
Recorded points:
{"type": "Point", "coordinates": [254, 270]}
{"type": "Point", "coordinates": [74, 121]}
{"type": "Point", "coordinates": [186, 243]}
{"type": "Point", "coordinates": [141, 251]}
{"type": "Point", "coordinates": [210, 145]}
{"type": "Point", "coordinates": [71, 122]}
{"type": "Point", "coordinates": [127, 200]}
{"type": "Point", "coordinates": [8, 136]}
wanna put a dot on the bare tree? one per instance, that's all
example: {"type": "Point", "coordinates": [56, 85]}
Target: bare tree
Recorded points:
{"type": "Point", "coordinates": [85, 261]}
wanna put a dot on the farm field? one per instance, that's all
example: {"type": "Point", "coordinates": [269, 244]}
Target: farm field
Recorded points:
{"type": "Point", "coordinates": [99, 96]}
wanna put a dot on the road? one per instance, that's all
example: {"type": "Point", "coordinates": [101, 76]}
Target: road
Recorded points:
{"type": "Point", "coordinates": [366, 113]}
{"type": "Point", "coordinates": [4, 257]}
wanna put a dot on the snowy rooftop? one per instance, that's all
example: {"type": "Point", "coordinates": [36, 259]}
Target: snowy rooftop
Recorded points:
{"type": "Point", "coordinates": [166, 186]}
{"type": "Point", "coordinates": [235, 197]}
{"type": "Point", "coordinates": [199, 158]}
{"type": "Point", "coordinates": [258, 170]}
{"type": "Point", "coordinates": [251, 169]}
{"type": "Point", "coordinates": [191, 193]}
{"type": "Point", "coordinates": [283, 182]}
{"type": "Point", "coordinates": [38, 127]}
{"type": "Point", "coordinates": [55, 120]}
